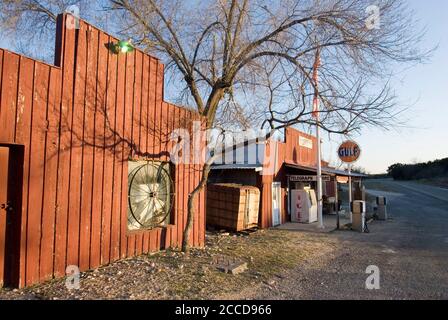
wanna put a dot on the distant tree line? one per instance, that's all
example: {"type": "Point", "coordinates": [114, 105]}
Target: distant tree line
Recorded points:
{"type": "Point", "coordinates": [432, 169]}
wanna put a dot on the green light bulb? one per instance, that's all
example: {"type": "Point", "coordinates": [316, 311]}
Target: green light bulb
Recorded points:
{"type": "Point", "coordinates": [125, 46]}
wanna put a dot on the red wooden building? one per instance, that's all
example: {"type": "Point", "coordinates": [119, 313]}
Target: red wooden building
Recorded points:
{"type": "Point", "coordinates": [70, 138]}
{"type": "Point", "coordinates": [277, 162]}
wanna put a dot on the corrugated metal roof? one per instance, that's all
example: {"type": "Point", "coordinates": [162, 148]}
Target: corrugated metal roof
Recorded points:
{"type": "Point", "coordinates": [326, 170]}
{"type": "Point", "coordinates": [236, 166]}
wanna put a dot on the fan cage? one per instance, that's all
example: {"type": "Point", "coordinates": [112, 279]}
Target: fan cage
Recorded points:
{"type": "Point", "coordinates": [150, 195]}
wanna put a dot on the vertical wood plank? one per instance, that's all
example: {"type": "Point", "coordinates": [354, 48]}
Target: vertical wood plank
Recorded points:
{"type": "Point", "coordinates": [108, 179]}
{"type": "Point", "coordinates": [76, 151]}
{"type": "Point", "coordinates": [129, 240]}
{"type": "Point", "coordinates": [196, 174]}
{"type": "Point", "coordinates": [51, 168]}
{"type": "Point", "coordinates": [144, 115]}
{"type": "Point", "coordinates": [185, 175]}
{"type": "Point", "coordinates": [116, 236]}
{"type": "Point", "coordinates": [189, 172]}
{"type": "Point", "coordinates": [152, 134]}
{"type": "Point", "coordinates": [136, 127]}
{"type": "Point", "coordinates": [1, 72]}
{"type": "Point", "coordinates": [88, 139]}
{"type": "Point", "coordinates": [152, 104]}
{"type": "Point", "coordinates": [158, 239]}
{"type": "Point", "coordinates": [177, 219]}
{"type": "Point", "coordinates": [173, 230]}
{"type": "Point", "coordinates": [164, 131]}
{"type": "Point", "coordinates": [67, 64]}
{"type": "Point", "coordinates": [144, 135]}
{"type": "Point", "coordinates": [196, 231]}
{"type": "Point", "coordinates": [124, 168]}
{"type": "Point", "coordinates": [100, 105]}
{"type": "Point", "coordinates": [158, 111]}
{"type": "Point", "coordinates": [137, 120]}
{"type": "Point", "coordinates": [153, 241]}
{"type": "Point", "coordinates": [37, 169]}
{"type": "Point", "coordinates": [23, 132]}
{"type": "Point", "coordinates": [191, 181]}
{"type": "Point", "coordinates": [182, 190]}
{"type": "Point", "coordinates": [8, 103]}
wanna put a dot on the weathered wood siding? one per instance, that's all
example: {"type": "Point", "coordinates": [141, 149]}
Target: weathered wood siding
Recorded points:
{"type": "Point", "coordinates": [79, 122]}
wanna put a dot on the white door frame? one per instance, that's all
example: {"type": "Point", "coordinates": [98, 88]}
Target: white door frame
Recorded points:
{"type": "Point", "coordinates": [276, 188]}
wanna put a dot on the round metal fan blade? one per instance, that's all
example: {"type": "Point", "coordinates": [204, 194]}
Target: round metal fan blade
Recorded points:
{"type": "Point", "coordinates": [150, 199]}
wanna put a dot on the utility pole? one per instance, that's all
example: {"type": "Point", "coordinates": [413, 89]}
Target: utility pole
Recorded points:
{"type": "Point", "coordinates": [316, 111]}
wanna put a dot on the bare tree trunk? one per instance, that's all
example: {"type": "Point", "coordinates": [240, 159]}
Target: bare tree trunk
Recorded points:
{"type": "Point", "coordinates": [209, 113]}
{"type": "Point", "coordinates": [191, 209]}
{"type": "Point", "coordinates": [212, 104]}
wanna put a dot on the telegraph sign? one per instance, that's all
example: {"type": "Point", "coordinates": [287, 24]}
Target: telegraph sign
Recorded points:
{"type": "Point", "coordinates": [307, 178]}
{"type": "Point", "coordinates": [349, 152]}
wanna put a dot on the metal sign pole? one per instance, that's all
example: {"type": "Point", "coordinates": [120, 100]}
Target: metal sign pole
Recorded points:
{"type": "Point", "coordinates": [338, 220]}
{"type": "Point", "coordinates": [316, 115]}
{"type": "Point", "coordinates": [319, 178]}
{"type": "Point", "coordinates": [350, 200]}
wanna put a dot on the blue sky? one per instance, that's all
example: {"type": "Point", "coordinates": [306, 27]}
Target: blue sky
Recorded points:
{"type": "Point", "coordinates": [424, 89]}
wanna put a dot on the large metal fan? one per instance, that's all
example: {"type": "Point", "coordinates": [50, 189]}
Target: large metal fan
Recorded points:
{"type": "Point", "coordinates": [150, 196]}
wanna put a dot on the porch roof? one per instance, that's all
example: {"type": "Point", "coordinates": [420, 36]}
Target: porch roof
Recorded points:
{"type": "Point", "coordinates": [325, 170]}
{"type": "Point", "coordinates": [236, 166]}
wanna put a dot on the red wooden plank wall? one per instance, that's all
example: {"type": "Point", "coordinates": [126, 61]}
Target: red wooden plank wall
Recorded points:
{"type": "Point", "coordinates": [79, 123]}
{"type": "Point", "coordinates": [297, 154]}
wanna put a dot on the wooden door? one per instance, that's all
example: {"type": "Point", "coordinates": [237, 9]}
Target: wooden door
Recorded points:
{"type": "Point", "coordinates": [11, 178]}
{"type": "Point", "coordinates": [4, 165]}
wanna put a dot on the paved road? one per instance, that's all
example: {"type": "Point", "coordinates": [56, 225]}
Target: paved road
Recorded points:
{"type": "Point", "coordinates": [410, 250]}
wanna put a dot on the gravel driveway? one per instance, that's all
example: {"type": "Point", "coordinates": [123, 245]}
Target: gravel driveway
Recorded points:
{"type": "Point", "coordinates": [411, 251]}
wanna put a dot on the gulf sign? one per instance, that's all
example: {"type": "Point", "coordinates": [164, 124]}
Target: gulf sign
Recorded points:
{"type": "Point", "coordinates": [349, 152]}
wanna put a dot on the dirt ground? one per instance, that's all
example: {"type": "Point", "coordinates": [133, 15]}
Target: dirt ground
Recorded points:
{"type": "Point", "coordinates": [171, 275]}
{"type": "Point", "coordinates": [410, 250]}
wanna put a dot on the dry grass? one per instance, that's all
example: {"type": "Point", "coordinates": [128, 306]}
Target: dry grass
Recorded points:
{"type": "Point", "coordinates": [171, 275]}
{"type": "Point", "coordinates": [268, 254]}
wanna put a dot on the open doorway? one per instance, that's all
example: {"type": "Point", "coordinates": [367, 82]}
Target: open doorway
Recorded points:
{"type": "Point", "coordinates": [11, 176]}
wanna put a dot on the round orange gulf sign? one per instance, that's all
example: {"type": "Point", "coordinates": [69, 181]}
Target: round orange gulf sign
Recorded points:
{"type": "Point", "coordinates": [349, 152]}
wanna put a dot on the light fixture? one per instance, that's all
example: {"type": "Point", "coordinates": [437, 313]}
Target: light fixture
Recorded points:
{"type": "Point", "coordinates": [125, 46]}
{"type": "Point", "coordinates": [121, 47]}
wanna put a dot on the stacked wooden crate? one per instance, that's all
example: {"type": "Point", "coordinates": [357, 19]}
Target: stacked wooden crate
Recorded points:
{"type": "Point", "coordinates": [232, 207]}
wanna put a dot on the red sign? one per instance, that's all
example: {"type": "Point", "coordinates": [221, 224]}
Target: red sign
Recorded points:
{"type": "Point", "coordinates": [349, 152]}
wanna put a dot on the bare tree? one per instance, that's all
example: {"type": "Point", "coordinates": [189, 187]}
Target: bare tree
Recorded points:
{"type": "Point", "coordinates": [231, 54]}
{"type": "Point", "coordinates": [251, 61]}
{"type": "Point", "coordinates": [30, 25]}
